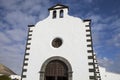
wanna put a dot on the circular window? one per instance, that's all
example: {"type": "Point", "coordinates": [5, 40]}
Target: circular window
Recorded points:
{"type": "Point", "coordinates": [57, 42]}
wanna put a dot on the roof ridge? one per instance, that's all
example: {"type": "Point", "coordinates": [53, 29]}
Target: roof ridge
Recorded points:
{"type": "Point", "coordinates": [62, 6]}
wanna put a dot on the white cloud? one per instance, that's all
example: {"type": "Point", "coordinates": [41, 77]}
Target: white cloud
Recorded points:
{"type": "Point", "coordinates": [105, 62]}
{"type": "Point", "coordinates": [13, 62]}
{"type": "Point", "coordinates": [17, 15]}
{"type": "Point", "coordinates": [4, 39]}
{"type": "Point", "coordinates": [95, 18]}
{"type": "Point", "coordinates": [89, 1]}
{"type": "Point", "coordinates": [8, 4]}
{"type": "Point", "coordinates": [19, 19]}
{"type": "Point", "coordinates": [16, 34]}
{"type": "Point", "coordinates": [3, 25]}
{"type": "Point", "coordinates": [12, 56]}
{"type": "Point", "coordinates": [102, 27]}
{"type": "Point", "coordinates": [116, 25]}
{"type": "Point", "coordinates": [111, 65]}
{"type": "Point", "coordinates": [20, 13]}
{"type": "Point", "coordinates": [106, 32]}
{"type": "Point", "coordinates": [115, 40]}
{"type": "Point", "coordinates": [115, 67]}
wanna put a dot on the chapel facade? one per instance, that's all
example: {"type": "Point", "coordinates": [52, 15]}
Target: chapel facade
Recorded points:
{"type": "Point", "coordinates": [60, 48]}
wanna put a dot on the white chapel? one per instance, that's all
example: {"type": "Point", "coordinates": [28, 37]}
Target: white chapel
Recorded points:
{"type": "Point", "coordinates": [60, 48]}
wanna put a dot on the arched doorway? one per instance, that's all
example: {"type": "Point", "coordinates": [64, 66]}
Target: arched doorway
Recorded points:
{"type": "Point", "coordinates": [56, 68]}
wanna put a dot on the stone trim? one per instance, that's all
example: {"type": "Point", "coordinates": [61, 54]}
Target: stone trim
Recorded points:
{"type": "Point", "coordinates": [97, 73]}
{"type": "Point", "coordinates": [24, 70]}
{"type": "Point", "coordinates": [91, 70]}
{"type": "Point", "coordinates": [42, 70]}
{"type": "Point", "coordinates": [23, 76]}
{"type": "Point", "coordinates": [62, 7]}
{"type": "Point", "coordinates": [88, 35]}
{"type": "Point", "coordinates": [25, 64]}
{"type": "Point", "coordinates": [26, 54]}
{"type": "Point", "coordinates": [92, 77]}
{"type": "Point", "coordinates": [31, 25]}
{"type": "Point", "coordinates": [90, 63]}
{"type": "Point", "coordinates": [87, 25]}
{"type": "Point", "coordinates": [88, 30]}
{"type": "Point", "coordinates": [90, 57]}
{"type": "Point", "coordinates": [86, 20]}
{"type": "Point", "coordinates": [29, 38]}
{"type": "Point", "coordinates": [31, 31]}
{"type": "Point", "coordinates": [28, 43]}
{"type": "Point", "coordinates": [26, 59]}
{"type": "Point", "coordinates": [89, 45]}
{"type": "Point", "coordinates": [28, 48]}
{"type": "Point", "coordinates": [29, 34]}
{"type": "Point", "coordinates": [88, 40]}
{"type": "Point", "coordinates": [90, 51]}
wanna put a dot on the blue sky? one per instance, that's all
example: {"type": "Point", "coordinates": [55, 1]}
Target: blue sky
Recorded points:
{"type": "Point", "coordinates": [15, 15]}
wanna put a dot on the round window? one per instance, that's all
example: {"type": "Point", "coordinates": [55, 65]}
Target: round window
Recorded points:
{"type": "Point", "coordinates": [57, 42]}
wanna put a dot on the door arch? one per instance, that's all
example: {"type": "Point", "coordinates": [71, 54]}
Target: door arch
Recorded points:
{"type": "Point", "coordinates": [56, 68]}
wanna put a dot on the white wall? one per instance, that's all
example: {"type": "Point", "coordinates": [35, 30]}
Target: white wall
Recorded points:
{"type": "Point", "coordinates": [14, 77]}
{"type": "Point", "coordinates": [108, 75]}
{"type": "Point", "coordinates": [73, 33]}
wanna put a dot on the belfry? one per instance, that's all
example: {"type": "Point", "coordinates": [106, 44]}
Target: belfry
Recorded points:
{"type": "Point", "coordinates": [60, 48]}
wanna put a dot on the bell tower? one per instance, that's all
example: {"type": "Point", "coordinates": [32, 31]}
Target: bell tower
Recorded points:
{"type": "Point", "coordinates": [60, 48]}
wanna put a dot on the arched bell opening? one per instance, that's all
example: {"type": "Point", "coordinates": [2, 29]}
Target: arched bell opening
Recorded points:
{"type": "Point", "coordinates": [61, 13]}
{"type": "Point", "coordinates": [54, 14]}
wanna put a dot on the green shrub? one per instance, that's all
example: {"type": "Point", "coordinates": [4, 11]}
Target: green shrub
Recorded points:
{"type": "Point", "coordinates": [4, 77]}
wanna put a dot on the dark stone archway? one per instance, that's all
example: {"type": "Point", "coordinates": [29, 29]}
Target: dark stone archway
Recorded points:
{"type": "Point", "coordinates": [58, 60]}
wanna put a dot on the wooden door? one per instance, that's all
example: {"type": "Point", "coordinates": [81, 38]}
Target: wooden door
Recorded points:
{"type": "Point", "coordinates": [56, 70]}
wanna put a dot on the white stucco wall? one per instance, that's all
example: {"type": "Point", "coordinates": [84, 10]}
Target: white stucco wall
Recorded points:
{"type": "Point", "coordinates": [105, 75]}
{"type": "Point", "coordinates": [73, 33]}
{"type": "Point", "coordinates": [15, 77]}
